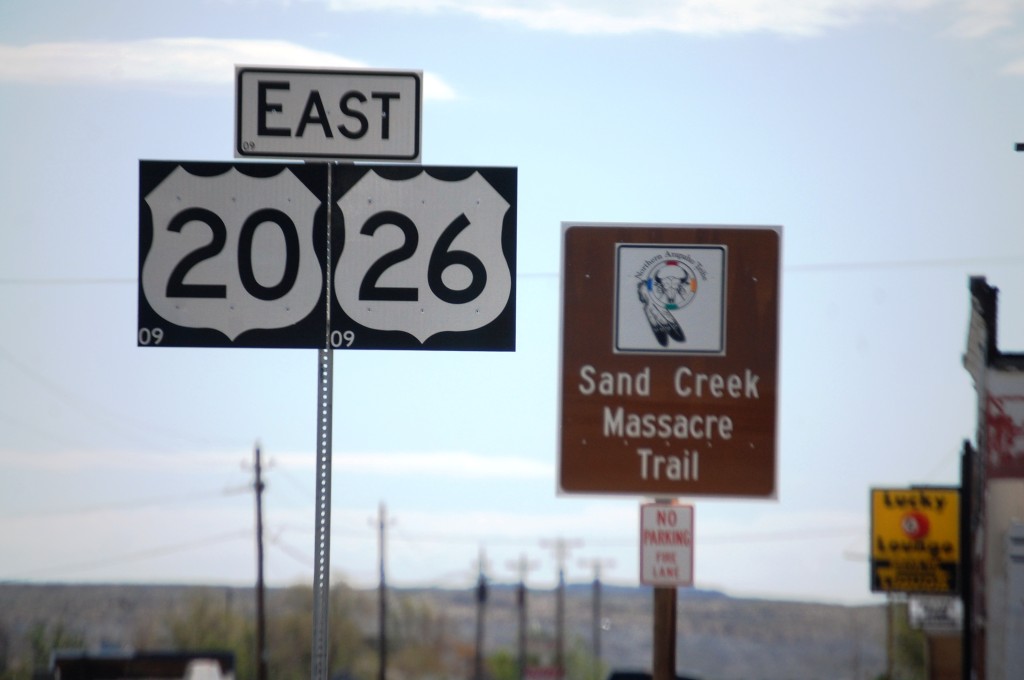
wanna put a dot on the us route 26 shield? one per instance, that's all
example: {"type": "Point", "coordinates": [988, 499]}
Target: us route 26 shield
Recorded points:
{"type": "Point", "coordinates": [427, 259]}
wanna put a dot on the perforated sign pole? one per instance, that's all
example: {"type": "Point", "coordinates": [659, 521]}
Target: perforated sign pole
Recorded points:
{"type": "Point", "coordinates": [322, 567]}
{"type": "Point", "coordinates": [319, 668]}
{"type": "Point", "coordinates": [241, 255]}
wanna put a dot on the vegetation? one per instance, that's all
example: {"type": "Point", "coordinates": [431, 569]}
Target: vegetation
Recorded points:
{"type": "Point", "coordinates": [206, 625]}
{"type": "Point", "coordinates": [431, 632]}
{"type": "Point", "coordinates": [43, 640]}
{"type": "Point", "coordinates": [416, 636]}
{"type": "Point", "coordinates": [421, 645]}
{"type": "Point", "coordinates": [908, 645]}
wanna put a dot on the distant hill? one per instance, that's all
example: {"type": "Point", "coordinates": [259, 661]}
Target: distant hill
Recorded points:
{"type": "Point", "coordinates": [718, 637]}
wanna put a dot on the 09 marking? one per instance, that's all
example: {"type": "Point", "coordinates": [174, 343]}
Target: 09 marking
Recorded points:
{"type": "Point", "coordinates": [151, 336]}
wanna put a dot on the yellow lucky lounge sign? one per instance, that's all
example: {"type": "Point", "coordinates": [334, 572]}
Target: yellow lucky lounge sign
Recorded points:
{"type": "Point", "coordinates": [915, 540]}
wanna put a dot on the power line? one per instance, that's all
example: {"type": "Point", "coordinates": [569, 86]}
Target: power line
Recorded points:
{"type": "Point", "coordinates": [134, 504]}
{"type": "Point", "coordinates": [300, 557]}
{"type": "Point", "coordinates": [902, 264]}
{"type": "Point", "coordinates": [308, 493]}
{"type": "Point", "coordinates": [811, 533]}
{"type": "Point", "coordinates": [821, 266]}
{"type": "Point", "coordinates": [303, 559]}
{"type": "Point", "coordinates": [136, 556]}
{"type": "Point", "coordinates": [36, 432]}
{"type": "Point", "coordinates": [82, 281]}
{"type": "Point", "coordinates": [815, 534]}
{"type": "Point", "coordinates": [132, 427]}
{"type": "Point", "coordinates": [402, 536]}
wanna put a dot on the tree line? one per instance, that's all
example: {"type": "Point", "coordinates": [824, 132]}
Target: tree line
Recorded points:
{"type": "Point", "coordinates": [423, 643]}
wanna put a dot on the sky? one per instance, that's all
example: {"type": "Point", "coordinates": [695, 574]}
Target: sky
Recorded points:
{"type": "Point", "coordinates": [880, 136]}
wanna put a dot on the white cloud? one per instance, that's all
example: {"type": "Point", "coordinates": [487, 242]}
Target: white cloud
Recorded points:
{"type": "Point", "coordinates": [695, 17]}
{"type": "Point", "coordinates": [980, 18]}
{"type": "Point", "coordinates": [168, 61]}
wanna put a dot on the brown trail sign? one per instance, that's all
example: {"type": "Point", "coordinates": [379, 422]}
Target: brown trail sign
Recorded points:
{"type": "Point", "coordinates": [669, 365]}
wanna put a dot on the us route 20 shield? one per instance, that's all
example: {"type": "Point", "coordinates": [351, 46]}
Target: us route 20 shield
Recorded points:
{"type": "Point", "coordinates": [231, 254]}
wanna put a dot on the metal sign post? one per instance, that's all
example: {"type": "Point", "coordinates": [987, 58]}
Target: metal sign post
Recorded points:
{"type": "Point", "coordinates": [319, 666]}
{"type": "Point", "coordinates": [322, 547]}
{"type": "Point", "coordinates": [241, 254]}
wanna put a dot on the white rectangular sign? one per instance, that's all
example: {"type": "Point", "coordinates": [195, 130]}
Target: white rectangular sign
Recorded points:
{"type": "Point", "coordinates": [666, 545]}
{"type": "Point", "coordinates": [328, 113]}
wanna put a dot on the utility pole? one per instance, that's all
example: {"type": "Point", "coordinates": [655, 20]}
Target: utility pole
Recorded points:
{"type": "Point", "coordinates": [561, 548]}
{"type": "Point", "coordinates": [596, 563]}
{"type": "Point", "coordinates": [481, 606]}
{"type": "Point", "coordinates": [890, 636]}
{"type": "Point", "coordinates": [523, 566]}
{"type": "Point", "coordinates": [261, 622]}
{"type": "Point", "coordinates": [382, 612]}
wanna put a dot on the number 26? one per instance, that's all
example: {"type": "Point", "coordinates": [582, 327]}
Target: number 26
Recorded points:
{"type": "Point", "coordinates": [441, 257]}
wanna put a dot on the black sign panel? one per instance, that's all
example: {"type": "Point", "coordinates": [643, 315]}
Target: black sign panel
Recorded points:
{"type": "Point", "coordinates": [427, 259]}
{"type": "Point", "coordinates": [235, 255]}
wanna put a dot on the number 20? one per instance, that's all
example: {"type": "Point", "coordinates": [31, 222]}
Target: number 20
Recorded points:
{"type": "Point", "coordinates": [176, 285]}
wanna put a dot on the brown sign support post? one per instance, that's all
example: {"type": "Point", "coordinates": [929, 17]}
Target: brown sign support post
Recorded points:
{"type": "Point", "coordinates": [664, 661]}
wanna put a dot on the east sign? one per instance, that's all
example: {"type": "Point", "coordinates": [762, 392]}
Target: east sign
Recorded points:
{"type": "Point", "coordinates": [915, 540]}
{"type": "Point", "coordinates": [669, 362]}
{"type": "Point", "coordinates": [263, 254]}
{"type": "Point", "coordinates": [328, 113]}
